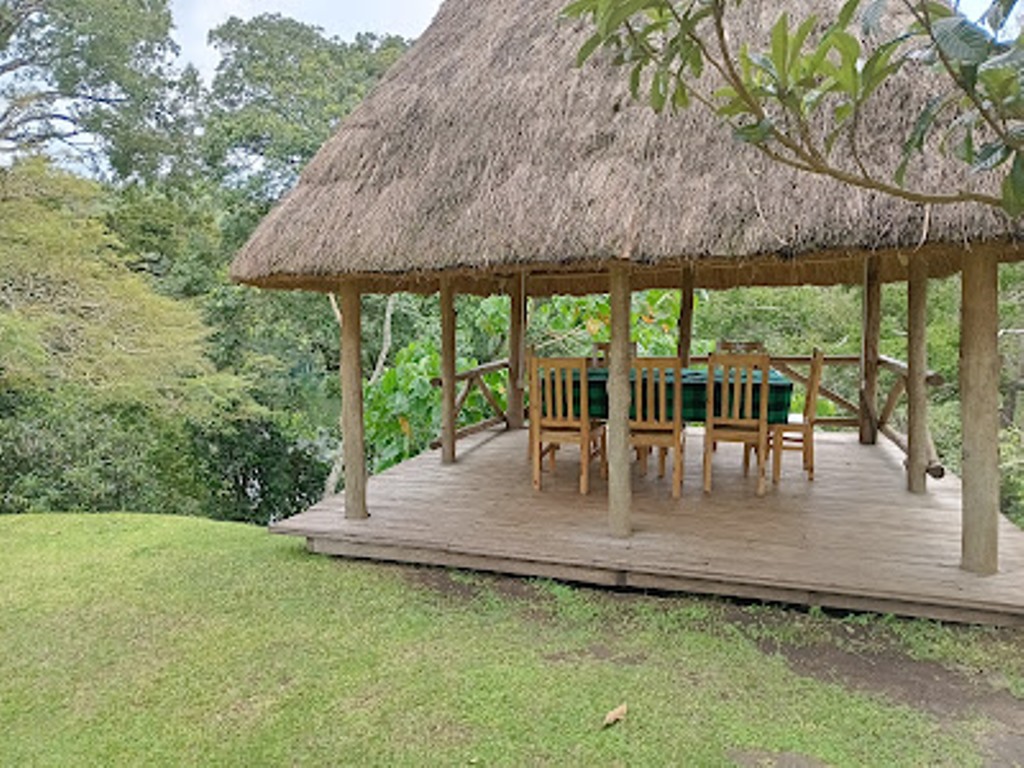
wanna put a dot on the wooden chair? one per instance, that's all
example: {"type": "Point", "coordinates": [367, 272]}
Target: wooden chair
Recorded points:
{"type": "Point", "coordinates": [739, 347]}
{"type": "Point", "coordinates": [731, 416]}
{"type": "Point", "coordinates": [559, 405]}
{"type": "Point", "coordinates": [799, 435]}
{"type": "Point", "coordinates": [656, 384]}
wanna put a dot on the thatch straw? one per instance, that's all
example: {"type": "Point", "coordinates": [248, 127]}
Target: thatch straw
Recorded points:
{"type": "Point", "coordinates": [484, 153]}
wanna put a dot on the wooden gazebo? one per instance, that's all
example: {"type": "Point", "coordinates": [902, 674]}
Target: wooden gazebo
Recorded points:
{"type": "Point", "coordinates": [486, 163]}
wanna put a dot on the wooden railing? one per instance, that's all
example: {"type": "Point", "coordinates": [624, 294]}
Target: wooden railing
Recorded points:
{"type": "Point", "coordinates": [474, 379]}
{"type": "Point", "coordinates": [850, 414]}
{"type": "Point", "coordinates": [851, 411]}
{"type": "Point", "coordinates": [785, 364]}
{"type": "Point", "coordinates": [901, 371]}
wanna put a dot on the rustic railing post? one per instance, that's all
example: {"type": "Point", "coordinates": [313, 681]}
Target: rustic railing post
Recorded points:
{"type": "Point", "coordinates": [353, 449]}
{"type": "Point", "coordinates": [870, 340]}
{"type": "Point", "coordinates": [979, 409]}
{"type": "Point", "coordinates": [917, 365]}
{"type": "Point", "coordinates": [449, 412]}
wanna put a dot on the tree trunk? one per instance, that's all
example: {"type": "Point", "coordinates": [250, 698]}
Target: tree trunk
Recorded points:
{"type": "Point", "coordinates": [620, 492]}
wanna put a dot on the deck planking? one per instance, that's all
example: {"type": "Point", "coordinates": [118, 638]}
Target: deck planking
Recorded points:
{"type": "Point", "coordinates": [855, 538]}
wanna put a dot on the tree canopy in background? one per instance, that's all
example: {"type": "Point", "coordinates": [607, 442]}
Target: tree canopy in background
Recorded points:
{"type": "Point", "coordinates": [279, 92]}
{"type": "Point", "coordinates": [95, 75]}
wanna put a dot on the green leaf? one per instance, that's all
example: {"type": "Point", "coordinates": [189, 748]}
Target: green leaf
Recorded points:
{"type": "Point", "coordinates": [579, 8]}
{"type": "Point", "coordinates": [681, 95]}
{"type": "Point", "coordinates": [659, 90]}
{"type": "Point", "coordinates": [847, 45]}
{"type": "Point", "coordinates": [1013, 187]}
{"type": "Point", "coordinates": [634, 79]}
{"type": "Point", "coordinates": [998, 14]}
{"type": "Point", "coordinates": [846, 14]}
{"type": "Point", "coordinates": [879, 67]}
{"type": "Point", "coordinates": [844, 112]}
{"type": "Point", "coordinates": [618, 13]}
{"type": "Point", "coordinates": [964, 150]}
{"type": "Point", "coordinates": [871, 18]}
{"type": "Point", "coordinates": [780, 49]}
{"type": "Point", "coordinates": [915, 142]}
{"type": "Point", "coordinates": [961, 41]}
{"type": "Point", "coordinates": [757, 133]}
{"type": "Point", "coordinates": [588, 48]}
{"type": "Point", "coordinates": [991, 156]}
{"type": "Point", "coordinates": [797, 43]}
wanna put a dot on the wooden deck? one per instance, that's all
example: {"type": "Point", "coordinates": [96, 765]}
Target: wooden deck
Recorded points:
{"type": "Point", "coordinates": [852, 539]}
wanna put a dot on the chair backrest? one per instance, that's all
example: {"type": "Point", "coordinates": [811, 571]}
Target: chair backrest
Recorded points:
{"type": "Point", "coordinates": [656, 394]}
{"type": "Point", "coordinates": [558, 391]}
{"type": "Point", "coordinates": [739, 347]}
{"type": "Point", "coordinates": [734, 383]}
{"type": "Point", "coordinates": [813, 385]}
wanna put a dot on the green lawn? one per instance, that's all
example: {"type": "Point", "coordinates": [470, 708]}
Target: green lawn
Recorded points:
{"type": "Point", "coordinates": [150, 640]}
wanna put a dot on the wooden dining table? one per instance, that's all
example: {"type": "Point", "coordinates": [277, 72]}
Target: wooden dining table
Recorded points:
{"type": "Point", "coordinates": [694, 392]}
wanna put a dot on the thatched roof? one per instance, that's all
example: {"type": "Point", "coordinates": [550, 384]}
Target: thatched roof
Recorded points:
{"type": "Point", "coordinates": [485, 153]}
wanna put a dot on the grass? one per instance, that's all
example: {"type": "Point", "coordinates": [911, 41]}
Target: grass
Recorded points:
{"type": "Point", "coordinates": [151, 640]}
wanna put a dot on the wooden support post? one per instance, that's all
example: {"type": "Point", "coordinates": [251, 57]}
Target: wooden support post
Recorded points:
{"type": "Point", "coordinates": [448, 410]}
{"type": "Point", "coordinates": [871, 333]}
{"type": "Point", "coordinates": [620, 492]}
{"type": "Point", "coordinates": [979, 409]}
{"type": "Point", "coordinates": [686, 316]}
{"type": "Point", "coordinates": [352, 403]}
{"type": "Point", "coordinates": [917, 365]}
{"type": "Point", "coordinates": [517, 323]}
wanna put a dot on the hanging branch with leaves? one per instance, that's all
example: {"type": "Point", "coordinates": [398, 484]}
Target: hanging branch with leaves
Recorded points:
{"type": "Point", "coordinates": [801, 96]}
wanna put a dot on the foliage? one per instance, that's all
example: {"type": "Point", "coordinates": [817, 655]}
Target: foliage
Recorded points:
{"type": "Point", "coordinates": [157, 641]}
{"type": "Point", "coordinates": [109, 400]}
{"type": "Point", "coordinates": [403, 409]}
{"type": "Point", "coordinates": [171, 232]}
{"type": "Point", "coordinates": [280, 91]}
{"type": "Point", "coordinates": [800, 96]}
{"type": "Point", "coordinates": [90, 73]}
{"type": "Point", "coordinates": [72, 303]}
{"type": "Point", "coordinates": [1012, 460]}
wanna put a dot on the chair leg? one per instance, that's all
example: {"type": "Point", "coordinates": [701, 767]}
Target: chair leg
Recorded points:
{"type": "Point", "coordinates": [708, 449]}
{"type": "Point", "coordinates": [551, 461]}
{"type": "Point", "coordinates": [604, 454]}
{"type": "Point", "coordinates": [777, 447]}
{"type": "Point", "coordinates": [809, 452]}
{"type": "Point", "coordinates": [762, 461]}
{"type": "Point", "coordinates": [585, 466]}
{"type": "Point", "coordinates": [746, 459]}
{"type": "Point", "coordinates": [662, 454]}
{"type": "Point", "coordinates": [536, 457]}
{"type": "Point", "coordinates": [677, 468]}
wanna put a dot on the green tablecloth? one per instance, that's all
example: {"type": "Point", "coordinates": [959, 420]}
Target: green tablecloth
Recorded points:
{"type": "Point", "coordinates": [694, 388]}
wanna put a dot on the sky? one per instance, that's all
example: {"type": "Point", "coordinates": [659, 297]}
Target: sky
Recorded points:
{"type": "Point", "coordinates": [193, 19]}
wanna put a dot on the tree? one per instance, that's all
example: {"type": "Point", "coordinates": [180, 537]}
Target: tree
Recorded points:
{"type": "Point", "coordinates": [800, 94]}
{"type": "Point", "coordinates": [95, 75]}
{"type": "Point", "coordinates": [107, 398]}
{"type": "Point", "coordinates": [280, 90]}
